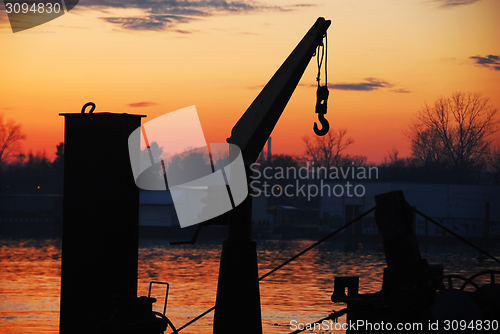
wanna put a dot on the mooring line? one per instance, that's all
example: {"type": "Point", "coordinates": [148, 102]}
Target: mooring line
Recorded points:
{"type": "Point", "coordinates": [317, 243]}
{"type": "Point", "coordinates": [457, 236]}
{"type": "Point", "coordinates": [285, 263]}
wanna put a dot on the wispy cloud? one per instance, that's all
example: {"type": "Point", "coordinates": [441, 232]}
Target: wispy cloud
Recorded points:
{"type": "Point", "coordinates": [256, 87]}
{"type": "Point", "coordinates": [149, 22]}
{"type": "Point", "coordinates": [303, 5]}
{"type": "Point", "coordinates": [167, 14]}
{"type": "Point", "coordinates": [455, 3]}
{"type": "Point", "coordinates": [400, 90]}
{"type": "Point", "coordinates": [142, 104]}
{"type": "Point", "coordinates": [369, 85]}
{"type": "Point", "coordinates": [491, 61]}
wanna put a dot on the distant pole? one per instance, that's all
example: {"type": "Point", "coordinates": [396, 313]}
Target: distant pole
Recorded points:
{"type": "Point", "coordinates": [269, 151]}
{"type": "Point", "coordinates": [100, 219]}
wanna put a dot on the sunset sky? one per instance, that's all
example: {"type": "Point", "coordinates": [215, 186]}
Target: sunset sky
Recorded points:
{"type": "Point", "coordinates": [386, 58]}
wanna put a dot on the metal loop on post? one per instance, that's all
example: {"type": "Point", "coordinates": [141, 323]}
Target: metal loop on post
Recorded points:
{"type": "Point", "coordinates": [86, 105]}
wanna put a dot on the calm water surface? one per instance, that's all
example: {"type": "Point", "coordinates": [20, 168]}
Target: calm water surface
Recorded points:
{"type": "Point", "coordinates": [30, 280]}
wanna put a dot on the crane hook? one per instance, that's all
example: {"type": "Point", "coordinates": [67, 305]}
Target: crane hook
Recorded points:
{"type": "Point", "coordinates": [321, 105]}
{"type": "Point", "coordinates": [324, 123]}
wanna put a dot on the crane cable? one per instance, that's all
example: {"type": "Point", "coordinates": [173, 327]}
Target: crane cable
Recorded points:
{"type": "Point", "coordinates": [322, 91]}
{"type": "Point", "coordinates": [319, 60]}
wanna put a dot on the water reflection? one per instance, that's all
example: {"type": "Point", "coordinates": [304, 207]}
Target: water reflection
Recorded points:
{"type": "Point", "coordinates": [30, 279]}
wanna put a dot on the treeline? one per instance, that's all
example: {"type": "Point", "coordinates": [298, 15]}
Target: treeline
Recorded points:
{"type": "Point", "coordinates": [453, 141]}
{"type": "Point", "coordinates": [401, 170]}
{"type": "Point", "coordinates": [413, 170]}
{"type": "Point", "coordinates": [36, 174]}
{"type": "Point", "coordinates": [33, 174]}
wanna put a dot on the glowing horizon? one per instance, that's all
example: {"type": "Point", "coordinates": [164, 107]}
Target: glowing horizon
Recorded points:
{"type": "Point", "coordinates": [385, 60]}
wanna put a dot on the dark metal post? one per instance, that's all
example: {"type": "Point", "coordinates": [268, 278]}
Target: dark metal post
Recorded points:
{"type": "Point", "coordinates": [408, 283]}
{"type": "Point", "coordinates": [100, 219]}
{"type": "Point", "coordinates": [238, 295]}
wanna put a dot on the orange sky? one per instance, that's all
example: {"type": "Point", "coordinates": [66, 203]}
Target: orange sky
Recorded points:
{"type": "Point", "coordinates": [406, 52]}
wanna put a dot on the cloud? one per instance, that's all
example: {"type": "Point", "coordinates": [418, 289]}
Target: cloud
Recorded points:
{"type": "Point", "coordinates": [256, 87]}
{"type": "Point", "coordinates": [142, 104]}
{"type": "Point", "coordinates": [455, 3]}
{"type": "Point", "coordinates": [400, 90]}
{"type": "Point", "coordinates": [491, 61]}
{"type": "Point", "coordinates": [369, 85]}
{"type": "Point", "coordinates": [150, 22]}
{"type": "Point", "coordinates": [303, 5]}
{"type": "Point", "coordinates": [167, 14]}
{"type": "Point", "coordinates": [182, 31]}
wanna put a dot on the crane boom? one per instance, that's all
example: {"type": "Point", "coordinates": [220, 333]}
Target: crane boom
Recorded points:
{"type": "Point", "coordinates": [255, 126]}
{"type": "Point", "coordinates": [238, 287]}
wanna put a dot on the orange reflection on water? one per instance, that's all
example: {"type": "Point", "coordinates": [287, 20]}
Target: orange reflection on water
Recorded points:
{"type": "Point", "coordinates": [30, 283]}
{"type": "Point", "coordinates": [191, 271]}
{"type": "Point", "coordinates": [301, 291]}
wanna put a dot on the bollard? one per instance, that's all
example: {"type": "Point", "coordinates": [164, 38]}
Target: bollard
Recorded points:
{"type": "Point", "coordinates": [100, 219]}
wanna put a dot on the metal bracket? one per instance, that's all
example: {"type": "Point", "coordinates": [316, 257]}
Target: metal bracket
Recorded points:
{"type": "Point", "coordinates": [166, 295]}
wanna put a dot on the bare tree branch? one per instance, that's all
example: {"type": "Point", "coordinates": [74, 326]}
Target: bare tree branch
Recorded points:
{"type": "Point", "coordinates": [493, 164]}
{"type": "Point", "coordinates": [10, 137]}
{"type": "Point", "coordinates": [455, 132]}
{"type": "Point", "coordinates": [326, 151]}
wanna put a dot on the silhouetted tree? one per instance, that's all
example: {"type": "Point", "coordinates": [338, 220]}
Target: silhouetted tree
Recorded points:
{"type": "Point", "coordinates": [155, 150]}
{"type": "Point", "coordinates": [30, 175]}
{"type": "Point", "coordinates": [284, 161]}
{"type": "Point", "coordinates": [58, 169]}
{"type": "Point", "coordinates": [37, 170]}
{"type": "Point", "coordinates": [351, 160]}
{"type": "Point", "coordinates": [10, 138]}
{"type": "Point", "coordinates": [393, 160]}
{"type": "Point", "coordinates": [34, 174]}
{"type": "Point", "coordinates": [59, 154]}
{"type": "Point", "coordinates": [454, 132]}
{"type": "Point", "coordinates": [326, 151]}
{"type": "Point", "coordinates": [187, 167]}
{"type": "Point", "coordinates": [395, 168]}
{"type": "Point", "coordinates": [493, 164]}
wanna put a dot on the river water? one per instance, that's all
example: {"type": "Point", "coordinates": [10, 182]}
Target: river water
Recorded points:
{"type": "Point", "coordinates": [30, 279]}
